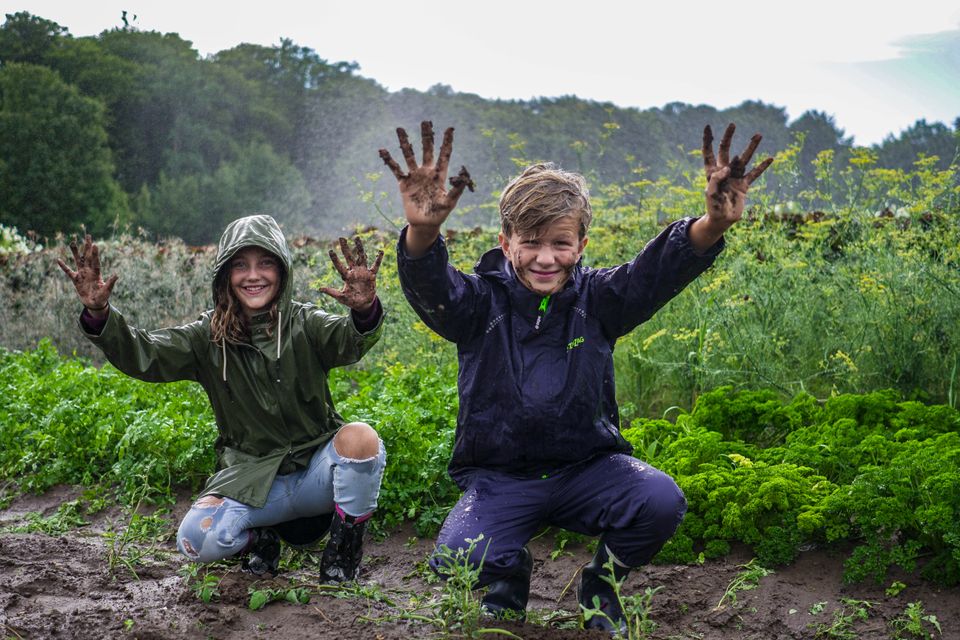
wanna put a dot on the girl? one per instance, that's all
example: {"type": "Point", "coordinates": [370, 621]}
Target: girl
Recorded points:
{"type": "Point", "coordinates": [288, 465]}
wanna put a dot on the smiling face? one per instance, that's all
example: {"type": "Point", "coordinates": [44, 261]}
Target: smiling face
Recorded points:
{"type": "Point", "coordinates": [544, 258]}
{"type": "Point", "coordinates": [254, 279]}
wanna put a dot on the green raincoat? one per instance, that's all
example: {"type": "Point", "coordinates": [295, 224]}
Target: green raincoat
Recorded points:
{"type": "Point", "coordinates": [270, 398]}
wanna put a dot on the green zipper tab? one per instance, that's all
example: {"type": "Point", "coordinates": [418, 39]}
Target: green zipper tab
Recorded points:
{"type": "Point", "coordinates": [542, 309]}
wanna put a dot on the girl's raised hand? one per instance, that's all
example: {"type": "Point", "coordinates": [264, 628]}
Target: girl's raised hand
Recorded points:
{"type": "Point", "coordinates": [426, 202]}
{"type": "Point", "coordinates": [359, 281]}
{"type": "Point", "coordinates": [92, 290]}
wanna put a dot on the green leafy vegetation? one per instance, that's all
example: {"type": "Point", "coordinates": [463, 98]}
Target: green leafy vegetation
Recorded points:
{"type": "Point", "coordinates": [746, 580]}
{"type": "Point", "coordinates": [259, 598]}
{"type": "Point", "coordinates": [868, 469]}
{"type": "Point", "coordinates": [66, 422]}
{"type": "Point", "coordinates": [915, 623]}
{"type": "Point", "coordinates": [870, 472]}
{"type": "Point", "coordinates": [414, 411]}
{"type": "Point", "coordinates": [841, 625]}
{"type": "Point", "coordinates": [14, 244]}
{"type": "Point", "coordinates": [56, 160]}
{"type": "Point", "coordinates": [131, 543]}
{"type": "Point", "coordinates": [66, 518]}
{"type": "Point", "coordinates": [202, 581]}
{"type": "Point", "coordinates": [455, 612]}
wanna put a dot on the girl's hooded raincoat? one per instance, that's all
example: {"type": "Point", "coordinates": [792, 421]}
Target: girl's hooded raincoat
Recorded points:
{"type": "Point", "coordinates": [270, 397]}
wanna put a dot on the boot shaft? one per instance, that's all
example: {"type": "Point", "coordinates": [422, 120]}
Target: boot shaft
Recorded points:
{"type": "Point", "coordinates": [596, 593]}
{"type": "Point", "coordinates": [344, 550]}
{"type": "Point", "coordinates": [507, 597]}
{"type": "Point", "coordinates": [263, 555]}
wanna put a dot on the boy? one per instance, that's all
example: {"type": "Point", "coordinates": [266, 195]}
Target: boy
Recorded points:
{"type": "Point", "coordinates": [538, 440]}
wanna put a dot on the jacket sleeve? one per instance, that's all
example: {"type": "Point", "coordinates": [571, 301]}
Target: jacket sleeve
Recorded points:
{"type": "Point", "coordinates": [447, 300]}
{"type": "Point", "coordinates": [337, 338]}
{"type": "Point", "coordinates": [631, 293]}
{"type": "Point", "coordinates": [164, 355]}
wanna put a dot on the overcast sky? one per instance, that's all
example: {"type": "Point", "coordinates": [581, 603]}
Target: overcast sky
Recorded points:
{"type": "Point", "coordinates": [876, 66]}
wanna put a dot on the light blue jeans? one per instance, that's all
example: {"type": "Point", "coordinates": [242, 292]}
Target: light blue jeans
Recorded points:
{"type": "Point", "coordinates": [218, 527]}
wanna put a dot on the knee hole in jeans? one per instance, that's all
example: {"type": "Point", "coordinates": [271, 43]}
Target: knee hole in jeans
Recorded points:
{"type": "Point", "coordinates": [356, 441]}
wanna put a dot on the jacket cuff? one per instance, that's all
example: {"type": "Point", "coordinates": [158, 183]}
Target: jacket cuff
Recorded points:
{"type": "Point", "coordinates": [368, 321]}
{"type": "Point", "coordinates": [681, 235]}
{"type": "Point", "coordinates": [436, 251]}
{"type": "Point", "coordinates": [91, 325]}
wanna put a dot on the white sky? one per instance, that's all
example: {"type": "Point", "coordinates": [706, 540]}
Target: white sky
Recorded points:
{"type": "Point", "coordinates": [876, 66]}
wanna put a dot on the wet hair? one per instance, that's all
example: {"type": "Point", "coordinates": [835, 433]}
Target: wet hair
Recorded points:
{"type": "Point", "coordinates": [540, 196]}
{"type": "Point", "coordinates": [228, 321]}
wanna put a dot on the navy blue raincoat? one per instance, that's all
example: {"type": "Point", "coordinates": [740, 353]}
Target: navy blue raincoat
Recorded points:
{"type": "Point", "coordinates": [536, 375]}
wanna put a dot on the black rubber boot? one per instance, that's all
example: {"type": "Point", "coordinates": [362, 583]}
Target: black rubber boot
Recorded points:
{"type": "Point", "coordinates": [304, 532]}
{"type": "Point", "coordinates": [344, 550]}
{"type": "Point", "coordinates": [263, 555]}
{"type": "Point", "coordinates": [593, 585]}
{"type": "Point", "coordinates": [507, 597]}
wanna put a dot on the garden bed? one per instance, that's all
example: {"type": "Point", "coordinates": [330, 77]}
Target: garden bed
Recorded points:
{"type": "Point", "coordinates": [91, 582]}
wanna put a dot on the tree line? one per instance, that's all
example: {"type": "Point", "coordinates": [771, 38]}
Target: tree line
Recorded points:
{"type": "Point", "coordinates": [134, 129]}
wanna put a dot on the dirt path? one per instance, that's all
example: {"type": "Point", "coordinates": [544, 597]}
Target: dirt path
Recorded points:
{"type": "Point", "coordinates": [62, 586]}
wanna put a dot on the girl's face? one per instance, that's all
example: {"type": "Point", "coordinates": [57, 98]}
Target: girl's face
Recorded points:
{"type": "Point", "coordinates": [254, 279]}
{"type": "Point", "coordinates": [544, 259]}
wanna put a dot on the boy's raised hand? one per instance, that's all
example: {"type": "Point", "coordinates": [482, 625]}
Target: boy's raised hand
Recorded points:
{"type": "Point", "coordinates": [92, 290]}
{"type": "Point", "coordinates": [727, 179]}
{"type": "Point", "coordinates": [426, 202]}
{"type": "Point", "coordinates": [359, 281]}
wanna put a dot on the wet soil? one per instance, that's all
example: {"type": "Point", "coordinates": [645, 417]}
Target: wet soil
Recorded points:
{"type": "Point", "coordinates": [65, 586]}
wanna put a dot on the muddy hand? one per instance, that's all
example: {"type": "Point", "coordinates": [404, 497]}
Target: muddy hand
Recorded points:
{"type": "Point", "coordinates": [727, 179]}
{"type": "Point", "coordinates": [359, 281]}
{"type": "Point", "coordinates": [93, 291]}
{"type": "Point", "coordinates": [425, 198]}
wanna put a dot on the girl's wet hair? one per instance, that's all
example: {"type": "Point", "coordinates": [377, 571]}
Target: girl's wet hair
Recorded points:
{"type": "Point", "coordinates": [542, 194]}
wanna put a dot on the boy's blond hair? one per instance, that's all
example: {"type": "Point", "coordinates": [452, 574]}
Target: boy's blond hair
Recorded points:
{"type": "Point", "coordinates": [541, 195]}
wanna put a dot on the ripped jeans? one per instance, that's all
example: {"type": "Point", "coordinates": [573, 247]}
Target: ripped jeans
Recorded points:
{"type": "Point", "coordinates": [218, 527]}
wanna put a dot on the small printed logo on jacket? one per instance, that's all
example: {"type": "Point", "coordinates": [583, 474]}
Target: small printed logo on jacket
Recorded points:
{"type": "Point", "coordinates": [576, 342]}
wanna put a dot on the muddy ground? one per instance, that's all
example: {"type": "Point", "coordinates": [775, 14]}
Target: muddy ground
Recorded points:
{"type": "Point", "coordinates": [63, 586]}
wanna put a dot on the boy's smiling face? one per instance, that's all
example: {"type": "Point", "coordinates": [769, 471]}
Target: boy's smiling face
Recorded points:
{"type": "Point", "coordinates": [544, 258]}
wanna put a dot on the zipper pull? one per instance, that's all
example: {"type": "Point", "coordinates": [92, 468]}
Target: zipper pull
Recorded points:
{"type": "Point", "coordinates": [542, 311]}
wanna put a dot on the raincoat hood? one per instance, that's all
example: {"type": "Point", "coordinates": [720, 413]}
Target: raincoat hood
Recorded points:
{"type": "Point", "coordinates": [258, 231]}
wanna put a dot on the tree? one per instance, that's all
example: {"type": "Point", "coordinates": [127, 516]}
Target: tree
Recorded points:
{"type": "Point", "coordinates": [28, 38]}
{"type": "Point", "coordinates": [98, 74]}
{"type": "Point", "coordinates": [167, 121]}
{"type": "Point", "coordinates": [820, 132]}
{"type": "Point", "coordinates": [56, 171]}
{"type": "Point", "coordinates": [196, 207]}
{"type": "Point", "coordinates": [284, 76]}
{"type": "Point", "coordinates": [935, 139]}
